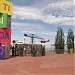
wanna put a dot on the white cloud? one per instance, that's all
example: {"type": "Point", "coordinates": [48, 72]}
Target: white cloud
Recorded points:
{"type": "Point", "coordinates": [31, 28]}
{"type": "Point", "coordinates": [26, 12]}
{"type": "Point", "coordinates": [59, 20]}
{"type": "Point", "coordinates": [62, 12]}
{"type": "Point", "coordinates": [61, 8]}
{"type": "Point", "coordinates": [27, 26]}
{"type": "Point", "coordinates": [48, 33]}
{"type": "Point", "coordinates": [39, 14]}
{"type": "Point", "coordinates": [61, 4]}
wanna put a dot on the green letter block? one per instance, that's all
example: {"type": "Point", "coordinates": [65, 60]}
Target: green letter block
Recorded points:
{"type": "Point", "coordinates": [5, 21]}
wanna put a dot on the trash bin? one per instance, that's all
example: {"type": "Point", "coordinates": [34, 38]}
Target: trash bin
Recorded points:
{"type": "Point", "coordinates": [71, 51]}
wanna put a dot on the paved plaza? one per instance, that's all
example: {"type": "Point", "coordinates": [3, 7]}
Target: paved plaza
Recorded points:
{"type": "Point", "coordinates": [51, 64]}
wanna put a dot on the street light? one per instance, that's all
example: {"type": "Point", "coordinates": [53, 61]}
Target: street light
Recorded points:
{"type": "Point", "coordinates": [24, 39]}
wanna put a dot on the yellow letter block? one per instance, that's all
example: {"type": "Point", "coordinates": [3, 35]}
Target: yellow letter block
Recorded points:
{"type": "Point", "coordinates": [2, 0]}
{"type": "Point", "coordinates": [6, 7]}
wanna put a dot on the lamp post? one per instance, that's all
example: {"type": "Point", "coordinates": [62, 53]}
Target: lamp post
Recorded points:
{"type": "Point", "coordinates": [24, 39]}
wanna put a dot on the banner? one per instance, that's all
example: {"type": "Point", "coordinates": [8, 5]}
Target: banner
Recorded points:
{"type": "Point", "coordinates": [5, 36]}
{"type": "Point", "coordinates": [6, 7]}
{"type": "Point", "coordinates": [5, 21]}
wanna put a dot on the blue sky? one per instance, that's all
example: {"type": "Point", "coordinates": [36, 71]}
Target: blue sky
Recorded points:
{"type": "Point", "coordinates": [42, 18]}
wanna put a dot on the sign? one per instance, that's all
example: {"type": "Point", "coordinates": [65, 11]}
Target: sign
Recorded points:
{"type": "Point", "coordinates": [2, 51]}
{"type": "Point", "coordinates": [5, 21]}
{"type": "Point", "coordinates": [6, 7]}
{"type": "Point", "coordinates": [5, 36]}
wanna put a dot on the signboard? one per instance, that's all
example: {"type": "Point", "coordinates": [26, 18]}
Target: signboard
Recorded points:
{"type": "Point", "coordinates": [2, 51]}
{"type": "Point", "coordinates": [5, 21]}
{"type": "Point", "coordinates": [6, 7]}
{"type": "Point", "coordinates": [5, 36]}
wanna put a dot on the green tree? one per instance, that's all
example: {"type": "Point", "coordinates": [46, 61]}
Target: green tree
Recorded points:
{"type": "Point", "coordinates": [70, 40]}
{"type": "Point", "coordinates": [59, 41]}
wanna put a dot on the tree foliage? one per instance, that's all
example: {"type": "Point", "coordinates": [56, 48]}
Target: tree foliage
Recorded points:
{"type": "Point", "coordinates": [70, 40]}
{"type": "Point", "coordinates": [59, 41]}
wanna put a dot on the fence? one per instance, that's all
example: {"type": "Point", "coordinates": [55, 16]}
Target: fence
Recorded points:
{"type": "Point", "coordinates": [53, 51]}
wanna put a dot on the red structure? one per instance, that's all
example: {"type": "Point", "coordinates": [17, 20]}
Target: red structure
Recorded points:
{"type": "Point", "coordinates": [44, 41]}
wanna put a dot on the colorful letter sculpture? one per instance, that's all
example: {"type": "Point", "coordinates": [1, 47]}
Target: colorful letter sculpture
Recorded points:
{"type": "Point", "coordinates": [6, 7]}
{"type": "Point", "coordinates": [5, 35]}
{"type": "Point", "coordinates": [5, 21]}
{"type": "Point", "coordinates": [5, 28]}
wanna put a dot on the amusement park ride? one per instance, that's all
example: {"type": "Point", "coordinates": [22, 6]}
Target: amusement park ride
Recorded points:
{"type": "Point", "coordinates": [44, 41]}
{"type": "Point", "coordinates": [34, 36]}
